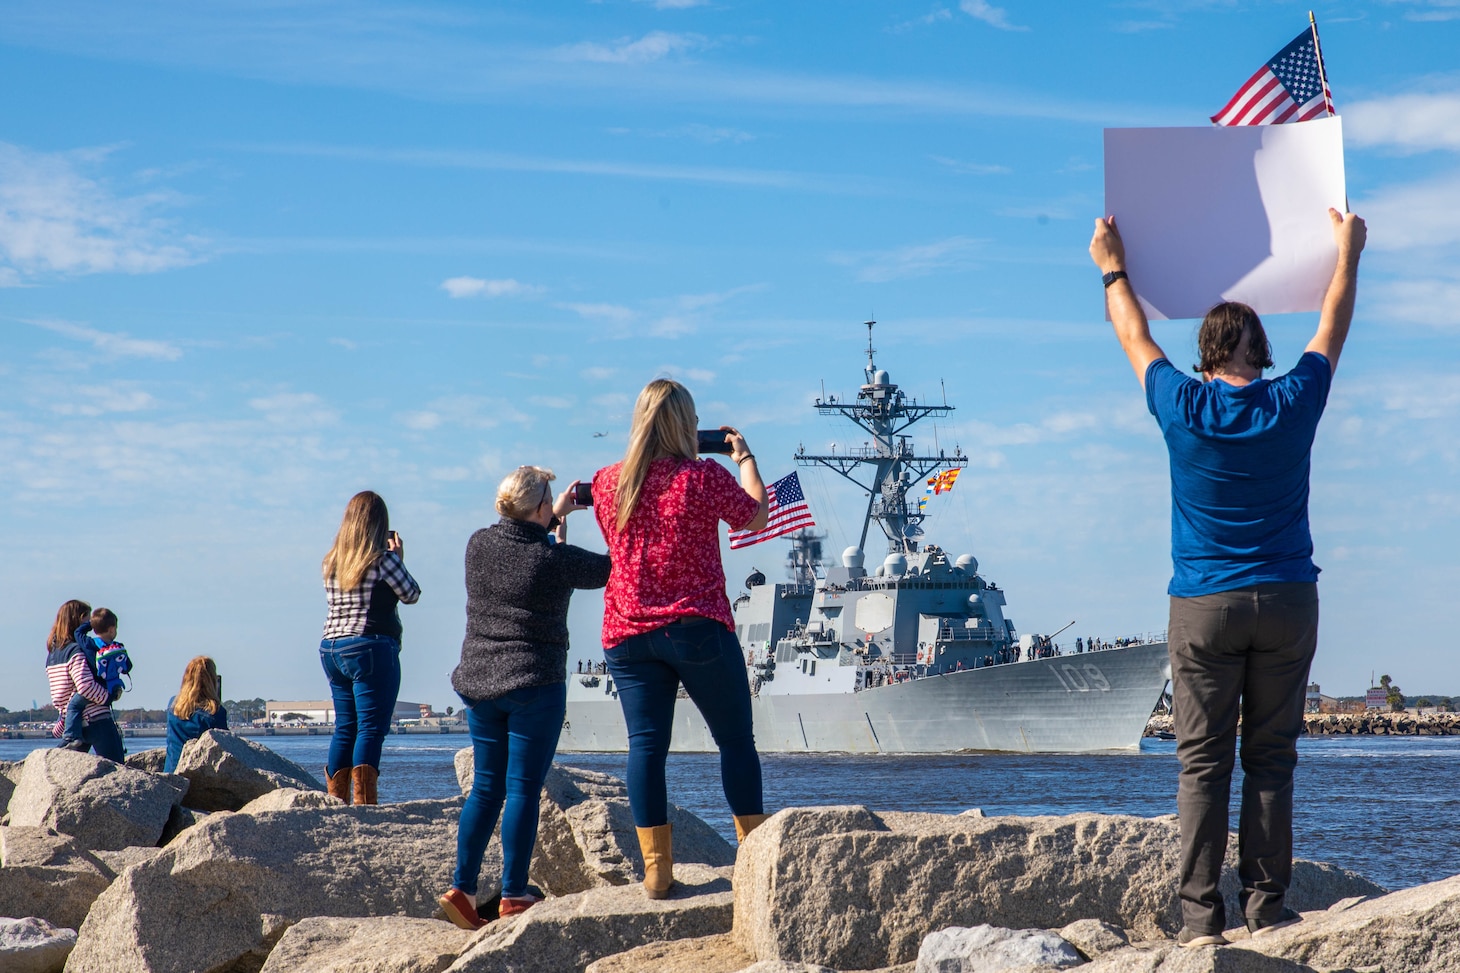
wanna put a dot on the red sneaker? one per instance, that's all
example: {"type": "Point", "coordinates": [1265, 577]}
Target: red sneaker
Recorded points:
{"type": "Point", "coordinates": [516, 904]}
{"type": "Point", "coordinates": [461, 909]}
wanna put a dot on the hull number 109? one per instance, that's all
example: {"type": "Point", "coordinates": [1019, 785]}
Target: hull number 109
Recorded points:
{"type": "Point", "coordinates": [1081, 678]}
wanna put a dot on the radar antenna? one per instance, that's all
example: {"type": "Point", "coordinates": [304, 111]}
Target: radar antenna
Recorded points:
{"type": "Point", "coordinates": [884, 411]}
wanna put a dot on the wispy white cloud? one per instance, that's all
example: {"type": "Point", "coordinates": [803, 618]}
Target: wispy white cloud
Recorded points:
{"type": "Point", "coordinates": [919, 260]}
{"type": "Point", "coordinates": [676, 4]}
{"type": "Point", "coordinates": [1426, 11]}
{"type": "Point", "coordinates": [602, 312]}
{"type": "Point", "coordinates": [684, 314]}
{"type": "Point", "coordinates": [1432, 301]}
{"type": "Point", "coordinates": [1409, 123]}
{"type": "Point", "coordinates": [480, 287]}
{"type": "Point", "coordinates": [295, 409]}
{"type": "Point", "coordinates": [104, 400]}
{"type": "Point", "coordinates": [465, 411]}
{"type": "Point", "coordinates": [970, 168]}
{"type": "Point", "coordinates": [115, 344]}
{"type": "Point", "coordinates": [55, 219]}
{"type": "Point", "coordinates": [700, 376]}
{"type": "Point", "coordinates": [697, 131]}
{"type": "Point", "coordinates": [507, 162]}
{"type": "Point", "coordinates": [653, 46]}
{"type": "Point", "coordinates": [989, 14]}
{"type": "Point", "coordinates": [1413, 215]}
{"type": "Point", "coordinates": [934, 16]}
{"type": "Point", "coordinates": [598, 373]}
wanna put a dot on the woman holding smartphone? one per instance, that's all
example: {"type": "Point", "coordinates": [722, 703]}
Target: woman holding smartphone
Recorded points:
{"type": "Point", "coordinates": [666, 617]}
{"type": "Point", "coordinates": [365, 579]}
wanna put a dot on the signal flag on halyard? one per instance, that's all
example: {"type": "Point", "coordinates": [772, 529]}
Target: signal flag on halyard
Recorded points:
{"type": "Point", "coordinates": [1292, 87]}
{"type": "Point", "coordinates": [943, 482]}
{"type": "Point", "coordinates": [788, 512]}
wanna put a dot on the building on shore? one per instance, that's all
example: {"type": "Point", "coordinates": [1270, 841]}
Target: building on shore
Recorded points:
{"type": "Point", "coordinates": [323, 711]}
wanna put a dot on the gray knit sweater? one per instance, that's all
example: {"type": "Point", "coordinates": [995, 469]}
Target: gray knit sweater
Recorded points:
{"type": "Point", "coordinates": [517, 591]}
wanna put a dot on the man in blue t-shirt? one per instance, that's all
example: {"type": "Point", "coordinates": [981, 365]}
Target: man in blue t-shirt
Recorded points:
{"type": "Point", "coordinates": [1244, 593]}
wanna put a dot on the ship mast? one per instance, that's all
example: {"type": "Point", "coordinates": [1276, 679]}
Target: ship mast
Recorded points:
{"type": "Point", "coordinates": [884, 412]}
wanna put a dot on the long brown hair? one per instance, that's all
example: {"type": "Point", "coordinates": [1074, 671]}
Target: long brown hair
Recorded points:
{"type": "Point", "coordinates": [361, 539]}
{"type": "Point", "coordinates": [1221, 334]}
{"type": "Point", "coordinates": [664, 425]}
{"type": "Point", "coordinates": [199, 688]}
{"type": "Point", "coordinates": [68, 619]}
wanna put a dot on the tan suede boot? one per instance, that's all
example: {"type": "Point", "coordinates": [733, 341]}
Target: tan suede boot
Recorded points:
{"type": "Point", "coordinates": [338, 785]}
{"type": "Point", "coordinates": [364, 778]}
{"type": "Point", "coordinates": [746, 823]}
{"type": "Point", "coordinates": [658, 848]}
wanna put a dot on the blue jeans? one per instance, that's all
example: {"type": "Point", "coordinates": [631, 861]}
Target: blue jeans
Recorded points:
{"type": "Point", "coordinates": [74, 727]}
{"type": "Point", "coordinates": [364, 675]}
{"type": "Point", "coordinates": [647, 671]}
{"type": "Point", "coordinates": [513, 739]}
{"type": "Point", "coordinates": [103, 736]}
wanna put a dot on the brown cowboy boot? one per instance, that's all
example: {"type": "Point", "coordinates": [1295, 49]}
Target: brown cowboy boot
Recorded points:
{"type": "Point", "coordinates": [746, 823]}
{"type": "Point", "coordinates": [658, 848]}
{"type": "Point", "coordinates": [338, 784]}
{"type": "Point", "coordinates": [364, 778]}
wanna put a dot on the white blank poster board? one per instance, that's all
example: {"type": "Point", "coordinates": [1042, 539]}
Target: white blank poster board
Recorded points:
{"type": "Point", "coordinates": [1234, 213]}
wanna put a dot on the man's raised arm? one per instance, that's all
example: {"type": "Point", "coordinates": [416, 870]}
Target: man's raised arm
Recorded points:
{"type": "Point", "coordinates": [1131, 327]}
{"type": "Point", "coordinates": [1350, 234]}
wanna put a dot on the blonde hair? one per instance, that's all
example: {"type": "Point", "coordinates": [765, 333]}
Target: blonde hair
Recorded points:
{"type": "Point", "coordinates": [68, 619]}
{"type": "Point", "coordinates": [199, 688]}
{"type": "Point", "coordinates": [664, 425]}
{"type": "Point", "coordinates": [360, 541]}
{"type": "Point", "coordinates": [523, 491]}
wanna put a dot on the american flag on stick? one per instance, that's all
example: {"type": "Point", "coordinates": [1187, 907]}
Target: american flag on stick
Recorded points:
{"type": "Point", "coordinates": [1292, 87]}
{"type": "Point", "coordinates": [788, 513]}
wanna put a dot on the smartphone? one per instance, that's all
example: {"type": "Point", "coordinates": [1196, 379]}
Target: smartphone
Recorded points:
{"type": "Point", "coordinates": [583, 494]}
{"type": "Point", "coordinates": [393, 537]}
{"type": "Point", "coordinates": [713, 441]}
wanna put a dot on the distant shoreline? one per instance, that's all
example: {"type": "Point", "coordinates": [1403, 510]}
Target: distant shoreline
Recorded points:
{"type": "Point", "coordinates": [321, 729]}
{"type": "Point", "coordinates": [1353, 724]}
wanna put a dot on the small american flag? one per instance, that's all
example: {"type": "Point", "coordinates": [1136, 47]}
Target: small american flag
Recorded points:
{"type": "Point", "coordinates": [788, 512]}
{"type": "Point", "coordinates": [1289, 88]}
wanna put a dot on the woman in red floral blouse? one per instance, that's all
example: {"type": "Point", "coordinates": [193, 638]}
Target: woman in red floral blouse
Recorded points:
{"type": "Point", "coordinates": [666, 617]}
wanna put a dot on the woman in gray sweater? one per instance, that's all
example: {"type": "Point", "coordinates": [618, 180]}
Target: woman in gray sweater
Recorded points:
{"type": "Point", "coordinates": [513, 678]}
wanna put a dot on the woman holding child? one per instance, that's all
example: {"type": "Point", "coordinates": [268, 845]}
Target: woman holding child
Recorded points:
{"type": "Point", "coordinates": [365, 580]}
{"type": "Point", "coordinates": [666, 618]}
{"type": "Point", "coordinates": [71, 673]}
{"type": "Point", "coordinates": [513, 678]}
{"type": "Point", "coordinates": [195, 709]}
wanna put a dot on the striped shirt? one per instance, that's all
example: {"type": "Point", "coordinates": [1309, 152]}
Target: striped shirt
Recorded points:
{"type": "Point", "coordinates": [370, 607]}
{"type": "Point", "coordinates": [68, 673]}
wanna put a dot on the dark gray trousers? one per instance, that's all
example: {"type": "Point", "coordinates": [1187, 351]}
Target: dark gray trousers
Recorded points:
{"type": "Point", "coordinates": [1246, 651]}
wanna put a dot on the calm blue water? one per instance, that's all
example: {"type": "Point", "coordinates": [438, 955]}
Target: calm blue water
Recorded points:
{"type": "Point", "coordinates": [1387, 807]}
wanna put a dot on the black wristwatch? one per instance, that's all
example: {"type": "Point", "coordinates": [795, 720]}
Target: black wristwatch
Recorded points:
{"type": "Point", "coordinates": [1113, 276]}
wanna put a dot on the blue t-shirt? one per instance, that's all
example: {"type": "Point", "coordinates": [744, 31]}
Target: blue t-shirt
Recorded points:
{"type": "Point", "coordinates": [1239, 474]}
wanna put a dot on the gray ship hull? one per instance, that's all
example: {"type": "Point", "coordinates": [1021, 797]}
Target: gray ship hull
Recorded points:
{"type": "Point", "coordinates": [1066, 704]}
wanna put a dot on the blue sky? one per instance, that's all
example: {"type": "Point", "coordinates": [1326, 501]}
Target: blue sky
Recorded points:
{"type": "Point", "coordinates": [255, 257]}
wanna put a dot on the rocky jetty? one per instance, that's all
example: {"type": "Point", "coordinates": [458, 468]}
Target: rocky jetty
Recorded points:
{"type": "Point", "coordinates": [1354, 724]}
{"type": "Point", "coordinates": [265, 872]}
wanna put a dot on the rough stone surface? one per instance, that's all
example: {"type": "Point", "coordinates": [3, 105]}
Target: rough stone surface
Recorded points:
{"type": "Point", "coordinates": [586, 837]}
{"type": "Point", "coordinates": [1093, 937]}
{"type": "Point", "coordinates": [781, 966]}
{"type": "Point", "coordinates": [151, 761]}
{"type": "Point", "coordinates": [49, 876]}
{"type": "Point", "coordinates": [100, 803]}
{"type": "Point", "coordinates": [705, 954]}
{"type": "Point", "coordinates": [988, 949]}
{"type": "Point", "coordinates": [228, 771]}
{"type": "Point", "coordinates": [1170, 958]}
{"type": "Point", "coordinates": [10, 771]}
{"type": "Point", "coordinates": [288, 798]}
{"type": "Point", "coordinates": [33, 945]}
{"type": "Point", "coordinates": [565, 934]}
{"type": "Point", "coordinates": [387, 944]}
{"type": "Point", "coordinates": [120, 860]}
{"type": "Point", "coordinates": [857, 890]}
{"type": "Point", "coordinates": [228, 887]}
{"type": "Point", "coordinates": [1415, 930]}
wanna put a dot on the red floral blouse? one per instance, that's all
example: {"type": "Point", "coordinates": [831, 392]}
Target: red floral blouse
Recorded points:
{"type": "Point", "coordinates": [666, 562]}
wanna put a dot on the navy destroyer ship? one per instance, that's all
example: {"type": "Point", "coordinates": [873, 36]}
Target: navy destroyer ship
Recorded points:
{"type": "Point", "coordinates": [914, 655]}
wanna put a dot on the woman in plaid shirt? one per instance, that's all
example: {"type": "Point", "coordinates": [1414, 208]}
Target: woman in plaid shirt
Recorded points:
{"type": "Point", "coordinates": [365, 579]}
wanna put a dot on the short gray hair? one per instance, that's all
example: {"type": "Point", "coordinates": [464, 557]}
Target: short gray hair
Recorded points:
{"type": "Point", "coordinates": [523, 490]}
